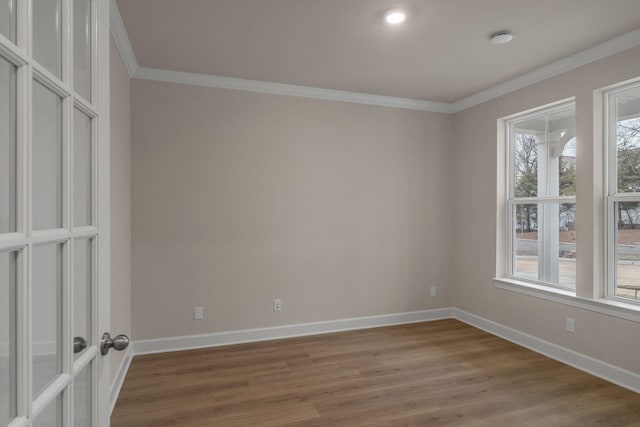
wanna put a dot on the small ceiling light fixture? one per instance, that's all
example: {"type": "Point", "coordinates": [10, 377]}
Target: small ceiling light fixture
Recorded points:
{"type": "Point", "coordinates": [395, 16]}
{"type": "Point", "coordinates": [501, 37]}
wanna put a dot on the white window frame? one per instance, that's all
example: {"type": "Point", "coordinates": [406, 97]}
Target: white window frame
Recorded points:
{"type": "Point", "coordinates": [611, 187]}
{"type": "Point", "coordinates": [594, 292]}
{"type": "Point", "coordinates": [547, 261]}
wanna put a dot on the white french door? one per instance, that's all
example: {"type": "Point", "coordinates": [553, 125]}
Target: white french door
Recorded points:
{"type": "Point", "coordinates": [54, 165]}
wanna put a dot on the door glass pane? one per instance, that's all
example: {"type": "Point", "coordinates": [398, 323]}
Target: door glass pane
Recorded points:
{"type": "Point", "coordinates": [51, 416]}
{"type": "Point", "coordinates": [47, 158]}
{"type": "Point", "coordinates": [46, 317]}
{"type": "Point", "coordinates": [8, 19]}
{"type": "Point", "coordinates": [82, 290]}
{"type": "Point", "coordinates": [82, 397]}
{"type": "Point", "coordinates": [7, 147]}
{"type": "Point", "coordinates": [82, 47]}
{"type": "Point", "coordinates": [81, 169]}
{"type": "Point", "coordinates": [628, 141]}
{"type": "Point", "coordinates": [7, 337]}
{"type": "Point", "coordinates": [47, 36]}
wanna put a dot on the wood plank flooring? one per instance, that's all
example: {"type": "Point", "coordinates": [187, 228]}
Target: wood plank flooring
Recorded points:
{"type": "Point", "coordinates": [442, 373]}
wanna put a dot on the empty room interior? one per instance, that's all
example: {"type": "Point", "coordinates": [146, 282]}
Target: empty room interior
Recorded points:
{"type": "Point", "coordinates": [319, 213]}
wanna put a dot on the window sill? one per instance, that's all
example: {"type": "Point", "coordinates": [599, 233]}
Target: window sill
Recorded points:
{"type": "Point", "coordinates": [605, 306]}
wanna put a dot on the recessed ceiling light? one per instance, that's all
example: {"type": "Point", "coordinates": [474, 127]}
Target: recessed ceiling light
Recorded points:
{"type": "Point", "coordinates": [395, 16]}
{"type": "Point", "coordinates": [501, 37]}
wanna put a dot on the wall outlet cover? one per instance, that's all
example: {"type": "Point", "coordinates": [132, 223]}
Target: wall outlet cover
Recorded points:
{"type": "Point", "coordinates": [571, 325]}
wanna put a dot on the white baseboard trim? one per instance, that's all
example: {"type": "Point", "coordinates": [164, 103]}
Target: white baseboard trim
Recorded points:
{"type": "Point", "coordinates": [590, 365]}
{"type": "Point", "coordinates": [190, 342]}
{"type": "Point", "coordinates": [118, 379]}
{"type": "Point", "coordinates": [598, 368]}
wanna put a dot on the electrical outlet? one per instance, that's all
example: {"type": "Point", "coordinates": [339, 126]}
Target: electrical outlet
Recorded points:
{"type": "Point", "coordinates": [277, 305]}
{"type": "Point", "coordinates": [198, 313]}
{"type": "Point", "coordinates": [571, 325]}
{"type": "Point", "coordinates": [434, 290]}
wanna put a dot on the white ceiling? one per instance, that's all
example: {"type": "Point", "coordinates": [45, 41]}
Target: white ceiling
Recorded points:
{"type": "Point", "coordinates": [442, 53]}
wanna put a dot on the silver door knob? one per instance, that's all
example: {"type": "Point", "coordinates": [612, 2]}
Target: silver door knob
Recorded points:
{"type": "Point", "coordinates": [119, 342]}
{"type": "Point", "coordinates": [79, 344]}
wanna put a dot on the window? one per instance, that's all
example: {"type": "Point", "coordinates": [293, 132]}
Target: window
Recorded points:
{"type": "Point", "coordinates": [622, 135]}
{"type": "Point", "coordinates": [541, 197]}
{"type": "Point", "coordinates": [536, 241]}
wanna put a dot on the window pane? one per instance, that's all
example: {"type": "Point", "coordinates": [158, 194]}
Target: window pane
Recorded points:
{"type": "Point", "coordinates": [47, 36]}
{"type": "Point", "coordinates": [560, 153]}
{"type": "Point", "coordinates": [82, 397]}
{"type": "Point", "coordinates": [525, 241]}
{"type": "Point", "coordinates": [46, 317]}
{"type": "Point", "coordinates": [8, 19]}
{"type": "Point", "coordinates": [7, 147]}
{"type": "Point", "coordinates": [544, 155]}
{"type": "Point", "coordinates": [544, 243]}
{"type": "Point", "coordinates": [526, 162]}
{"type": "Point", "coordinates": [567, 244]}
{"type": "Point", "coordinates": [47, 158]}
{"type": "Point", "coordinates": [627, 233]}
{"type": "Point", "coordinates": [8, 360]}
{"type": "Point", "coordinates": [628, 141]}
{"type": "Point", "coordinates": [82, 47]}
{"type": "Point", "coordinates": [81, 169]}
{"type": "Point", "coordinates": [51, 416]}
{"type": "Point", "coordinates": [82, 290]}
{"type": "Point", "coordinates": [567, 172]}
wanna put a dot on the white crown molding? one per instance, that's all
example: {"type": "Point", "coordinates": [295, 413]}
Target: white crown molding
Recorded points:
{"type": "Point", "coordinates": [190, 342]}
{"type": "Point", "coordinates": [595, 367]}
{"type": "Point", "coordinates": [121, 39]}
{"type": "Point", "coordinates": [603, 50]}
{"type": "Point", "coordinates": [118, 379]}
{"type": "Point", "coordinates": [289, 90]}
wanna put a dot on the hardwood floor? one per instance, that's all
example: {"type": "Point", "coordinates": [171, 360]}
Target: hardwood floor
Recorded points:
{"type": "Point", "coordinates": [442, 373]}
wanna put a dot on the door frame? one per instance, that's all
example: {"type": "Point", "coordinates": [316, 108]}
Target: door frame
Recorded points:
{"type": "Point", "coordinates": [102, 63]}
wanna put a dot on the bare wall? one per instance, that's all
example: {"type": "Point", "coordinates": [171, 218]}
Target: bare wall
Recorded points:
{"type": "Point", "coordinates": [120, 202]}
{"type": "Point", "coordinates": [475, 206]}
{"type": "Point", "coordinates": [341, 210]}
